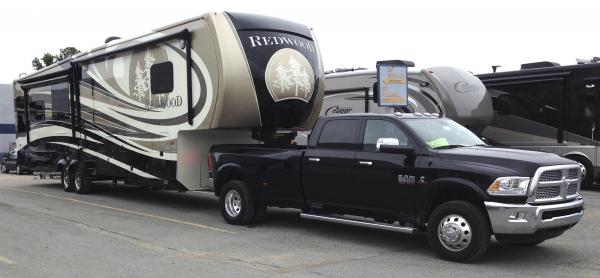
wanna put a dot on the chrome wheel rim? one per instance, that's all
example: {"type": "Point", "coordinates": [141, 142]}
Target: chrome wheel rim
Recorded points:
{"type": "Point", "coordinates": [454, 232]}
{"type": "Point", "coordinates": [583, 170]}
{"type": "Point", "coordinates": [77, 180]}
{"type": "Point", "coordinates": [233, 203]}
{"type": "Point", "coordinates": [66, 179]}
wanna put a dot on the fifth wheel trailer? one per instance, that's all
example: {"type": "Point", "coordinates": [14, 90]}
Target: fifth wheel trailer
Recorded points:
{"type": "Point", "coordinates": [450, 91]}
{"type": "Point", "coordinates": [146, 110]}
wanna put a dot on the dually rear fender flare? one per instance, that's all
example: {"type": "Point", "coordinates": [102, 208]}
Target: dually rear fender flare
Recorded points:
{"type": "Point", "coordinates": [225, 173]}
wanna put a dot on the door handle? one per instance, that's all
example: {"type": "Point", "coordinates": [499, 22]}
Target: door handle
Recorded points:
{"type": "Point", "coordinates": [368, 163]}
{"type": "Point", "coordinates": [314, 159]}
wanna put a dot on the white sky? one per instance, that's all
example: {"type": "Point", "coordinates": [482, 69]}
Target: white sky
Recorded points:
{"type": "Point", "coordinates": [472, 35]}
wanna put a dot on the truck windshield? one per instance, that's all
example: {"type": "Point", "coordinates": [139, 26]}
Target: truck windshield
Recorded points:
{"type": "Point", "coordinates": [443, 133]}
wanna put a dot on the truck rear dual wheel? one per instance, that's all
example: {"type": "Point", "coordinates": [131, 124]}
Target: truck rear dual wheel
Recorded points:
{"type": "Point", "coordinates": [458, 231]}
{"type": "Point", "coordinates": [238, 204]}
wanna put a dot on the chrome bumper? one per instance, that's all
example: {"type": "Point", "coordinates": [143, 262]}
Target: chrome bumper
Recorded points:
{"type": "Point", "coordinates": [527, 219]}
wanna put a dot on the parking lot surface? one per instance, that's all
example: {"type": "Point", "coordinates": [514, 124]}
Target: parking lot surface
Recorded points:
{"type": "Point", "coordinates": [129, 232]}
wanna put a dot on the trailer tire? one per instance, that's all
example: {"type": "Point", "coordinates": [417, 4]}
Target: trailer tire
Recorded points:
{"type": "Point", "coordinates": [458, 231]}
{"type": "Point", "coordinates": [79, 180]}
{"type": "Point", "coordinates": [237, 203]}
{"type": "Point", "coordinates": [66, 180]}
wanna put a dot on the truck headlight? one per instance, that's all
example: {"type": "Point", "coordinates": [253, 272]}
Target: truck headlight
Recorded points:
{"type": "Point", "coordinates": [509, 186]}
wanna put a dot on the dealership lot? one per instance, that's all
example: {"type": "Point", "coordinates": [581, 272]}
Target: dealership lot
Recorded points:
{"type": "Point", "coordinates": [131, 232]}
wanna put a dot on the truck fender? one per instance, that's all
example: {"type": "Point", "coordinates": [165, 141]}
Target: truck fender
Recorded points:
{"type": "Point", "coordinates": [225, 173]}
{"type": "Point", "coordinates": [440, 185]}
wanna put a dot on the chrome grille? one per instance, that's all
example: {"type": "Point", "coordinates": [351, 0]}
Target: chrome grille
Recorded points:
{"type": "Point", "coordinates": [547, 192]}
{"type": "Point", "coordinates": [572, 189]}
{"type": "Point", "coordinates": [555, 183]}
{"type": "Point", "coordinates": [573, 173]}
{"type": "Point", "coordinates": [554, 175]}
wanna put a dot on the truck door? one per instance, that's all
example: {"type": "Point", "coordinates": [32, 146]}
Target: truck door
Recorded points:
{"type": "Point", "coordinates": [384, 180]}
{"type": "Point", "coordinates": [329, 167]}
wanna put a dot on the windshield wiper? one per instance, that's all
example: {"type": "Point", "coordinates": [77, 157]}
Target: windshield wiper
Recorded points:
{"type": "Point", "coordinates": [449, 147]}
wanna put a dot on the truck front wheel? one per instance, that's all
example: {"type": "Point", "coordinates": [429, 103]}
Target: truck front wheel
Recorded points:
{"type": "Point", "coordinates": [238, 205]}
{"type": "Point", "coordinates": [458, 231]}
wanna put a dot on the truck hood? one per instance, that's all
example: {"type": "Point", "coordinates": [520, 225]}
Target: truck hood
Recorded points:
{"type": "Point", "coordinates": [521, 162]}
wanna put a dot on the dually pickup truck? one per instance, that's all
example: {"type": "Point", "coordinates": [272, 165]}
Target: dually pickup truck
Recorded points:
{"type": "Point", "coordinates": [406, 173]}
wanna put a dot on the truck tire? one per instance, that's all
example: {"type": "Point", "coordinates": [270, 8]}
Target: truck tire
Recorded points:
{"type": "Point", "coordinates": [238, 205]}
{"type": "Point", "coordinates": [586, 168]}
{"type": "Point", "coordinates": [80, 182]}
{"type": "Point", "coordinates": [458, 231]}
{"type": "Point", "coordinates": [66, 180]}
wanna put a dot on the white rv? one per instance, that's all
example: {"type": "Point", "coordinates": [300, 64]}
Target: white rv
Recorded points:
{"type": "Point", "coordinates": [146, 110]}
{"type": "Point", "coordinates": [452, 92]}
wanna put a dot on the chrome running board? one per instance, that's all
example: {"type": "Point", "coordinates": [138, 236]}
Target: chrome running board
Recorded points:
{"type": "Point", "coordinates": [373, 225]}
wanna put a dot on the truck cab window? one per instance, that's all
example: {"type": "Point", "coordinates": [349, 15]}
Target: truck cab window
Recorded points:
{"type": "Point", "coordinates": [339, 134]}
{"type": "Point", "coordinates": [376, 129]}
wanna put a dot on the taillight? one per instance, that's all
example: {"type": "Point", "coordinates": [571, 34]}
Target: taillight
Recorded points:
{"type": "Point", "coordinates": [210, 163]}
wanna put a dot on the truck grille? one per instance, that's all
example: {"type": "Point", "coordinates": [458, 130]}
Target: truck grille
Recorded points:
{"type": "Point", "coordinates": [555, 183]}
{"type": "Point", "coordinates": [555, 175]}
{"type": "Point", "coordinates": [547, 192]}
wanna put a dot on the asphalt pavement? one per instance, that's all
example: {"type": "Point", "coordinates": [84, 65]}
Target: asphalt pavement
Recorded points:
{"type": "Point", "coordinates": [129, 232]}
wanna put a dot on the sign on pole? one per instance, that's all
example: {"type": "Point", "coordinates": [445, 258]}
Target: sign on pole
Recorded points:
{"type": "Point", "coordinates": [392, 79]}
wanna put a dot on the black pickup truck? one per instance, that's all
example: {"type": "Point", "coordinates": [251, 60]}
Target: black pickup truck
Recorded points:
{"type": "Point", "coordinates": [405, 173]}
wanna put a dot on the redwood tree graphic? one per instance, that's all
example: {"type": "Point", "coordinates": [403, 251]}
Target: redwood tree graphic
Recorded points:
{"type": "Point", "coordinates": [293, 74]}
{"type": "Point", "coordinates": [141, 90]}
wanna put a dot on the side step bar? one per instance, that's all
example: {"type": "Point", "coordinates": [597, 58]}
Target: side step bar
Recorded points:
{"type": "Point", "coordinates": [340, 220]}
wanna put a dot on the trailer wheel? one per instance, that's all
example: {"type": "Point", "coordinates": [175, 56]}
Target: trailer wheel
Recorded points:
{"type": "Point", "coordinates": [458, 231]}
{"type": "Point", "coordinates": [79, 180]}
{"type": "Point", "coordinates": [238, 205]}
{"type": "Point", "coordinates": [66, 180]}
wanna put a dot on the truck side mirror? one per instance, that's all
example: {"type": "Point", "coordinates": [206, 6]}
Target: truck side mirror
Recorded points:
{"type": "Point", "coordinates": [387, 142]}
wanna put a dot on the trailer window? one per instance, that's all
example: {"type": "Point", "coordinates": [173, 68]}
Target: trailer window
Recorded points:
{"type": "Point", "coordinates": [540, 103]}
{"type": "Point", "coordinates": [60, 102]}
{"type": "Point", "coordinates": [339, 134]}
{"type": "Point", "coordinates": [40, 105]}
{"type": "Point", "coordinates": [161, 78]}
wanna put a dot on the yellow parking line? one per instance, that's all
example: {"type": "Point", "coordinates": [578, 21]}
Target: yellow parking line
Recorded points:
{"type": "Point", "coordinates": [125, 210]}
{"type": "Point", "coordinates": [7, 261]}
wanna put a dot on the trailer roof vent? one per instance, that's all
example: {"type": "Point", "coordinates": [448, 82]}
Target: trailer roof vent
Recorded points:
{"type": "Point", "coordinates": [111, 38]}
{"type": "Point", "coordinates": [536, 65]}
